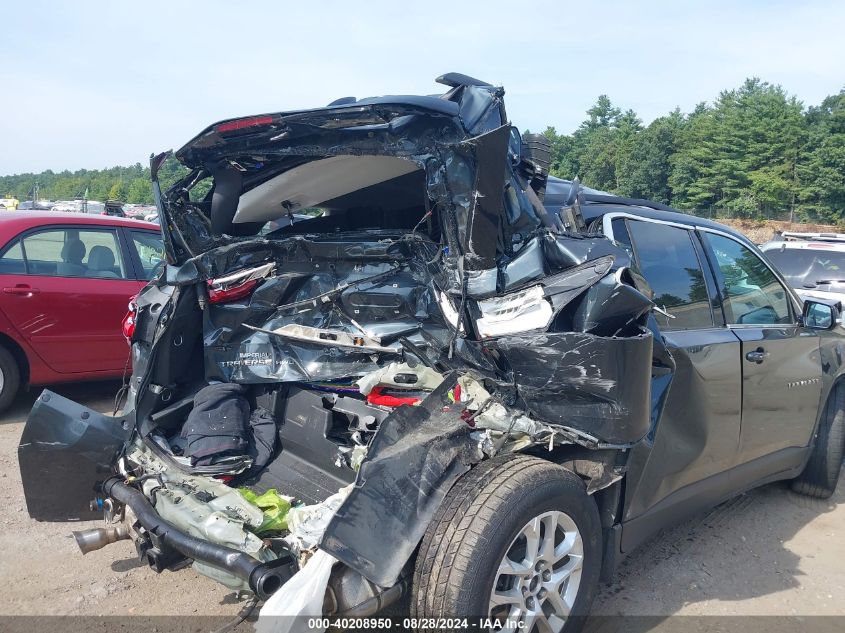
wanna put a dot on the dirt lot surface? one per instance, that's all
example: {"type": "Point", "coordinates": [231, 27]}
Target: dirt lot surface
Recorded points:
{"type": "Point", "coordinates": [759, 231]}
{"type": "Point", "coordinates": [768, 552]}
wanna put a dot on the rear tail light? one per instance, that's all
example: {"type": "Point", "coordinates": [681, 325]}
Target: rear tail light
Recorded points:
{"type": "Point", "coordinates": [388, 397]}
{"type": "Point", "coordinates": [238, 285]}
{"type": "Point", "coordinates": [130, 320]}
{"type": "Point", "coordinates": [225, 295]}
{"type": "Point", "coordinates": [242, 124]}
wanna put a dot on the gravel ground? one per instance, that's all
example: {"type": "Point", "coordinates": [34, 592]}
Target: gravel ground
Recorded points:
{"type": "Point", "coordinates": [767, 552]}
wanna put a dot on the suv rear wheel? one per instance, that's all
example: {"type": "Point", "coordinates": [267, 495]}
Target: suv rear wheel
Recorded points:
{"type": "Point", "coordinates": [822, 470]}
{"type": "Point", "coordinates": [10, 378]}
{"type": "Point", "coordinates": [515, 538]}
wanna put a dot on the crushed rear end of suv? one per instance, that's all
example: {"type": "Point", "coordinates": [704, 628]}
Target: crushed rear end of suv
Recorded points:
{"type": "Point", "coordinates": [418, 343]}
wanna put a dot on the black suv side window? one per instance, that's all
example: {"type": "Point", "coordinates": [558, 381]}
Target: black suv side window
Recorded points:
{"type": "Point", "coordinates": [752, 294]}
{"type": "Point", "coordinates": [668, 260]}
{"type": "Point", "coordinates": [621, 235]}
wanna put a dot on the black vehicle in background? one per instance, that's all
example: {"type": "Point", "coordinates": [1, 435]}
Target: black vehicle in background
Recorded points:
{"type": "Point", "coordinates": [115, 208]}
{"type": "Point", "coordinates": [480, 387]}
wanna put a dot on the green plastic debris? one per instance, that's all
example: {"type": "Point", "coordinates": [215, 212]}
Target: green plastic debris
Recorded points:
{"type": "Point", "coordinates": [274, 506]}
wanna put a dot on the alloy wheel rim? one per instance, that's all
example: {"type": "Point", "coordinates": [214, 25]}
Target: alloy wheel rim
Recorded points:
{"type": "Point", "coordinates": [538, 578]}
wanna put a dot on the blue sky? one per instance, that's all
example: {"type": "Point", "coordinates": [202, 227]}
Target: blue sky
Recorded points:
{"type": "Point", "coordinates": [94, 84]}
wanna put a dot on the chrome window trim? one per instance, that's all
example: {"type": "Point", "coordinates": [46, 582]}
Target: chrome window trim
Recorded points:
{"type": "Point", "coordinates": [797, 304]}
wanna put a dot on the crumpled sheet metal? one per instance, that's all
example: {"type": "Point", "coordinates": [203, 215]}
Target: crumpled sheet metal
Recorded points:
{"type": "Point", "coordinates": [594, 376]}
{"type": "Point", "coordinates": [598, 385]}
{"type": "Point", "coordinates": [611, 308]}
{"type": "Point", "coordinates": [563, 251]}
{"type": "Point", "coordinates": [387, 297]}
{"type": "Point", "coordinates": [413, 460]}
{"type": "Point", "coordinates": [493, 415]}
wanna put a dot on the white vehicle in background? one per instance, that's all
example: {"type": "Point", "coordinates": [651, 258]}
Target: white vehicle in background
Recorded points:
{"type": "Point", "coordinates": [35, 205]}
{"type": "Point", "coordinates": [95, 207]}
{"type": "Point", "coordinates": [73, 206]}
{"type": "Point", "coordinates": [139, 211]}
{"type": "Point", "coordinates": [812, 263]}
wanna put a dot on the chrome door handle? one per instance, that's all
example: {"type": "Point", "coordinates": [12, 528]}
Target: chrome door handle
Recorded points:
{"type": "Point", "coordinates": [21, 289]}
{"type": "Point", "coordinates": [757, 356]}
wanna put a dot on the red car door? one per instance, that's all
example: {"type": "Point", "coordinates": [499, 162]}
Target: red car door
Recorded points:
{"type": "Point", "coordinates": [70, 298]}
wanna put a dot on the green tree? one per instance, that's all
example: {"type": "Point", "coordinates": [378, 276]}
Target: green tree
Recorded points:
{"type": "Point", "coordinates": [140, 191]}
{"type": "Point", "coordinates": [648, 167]}
{"type": "Point", "coordinates": [742, 153]}
{"type": "Point", "coordinates": [822, 170]}
{"type": "Point", "coordinates": [118, 191]}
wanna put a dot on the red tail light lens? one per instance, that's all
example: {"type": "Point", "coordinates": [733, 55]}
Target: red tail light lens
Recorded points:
{"type": "Point", "coordinates": [241, 124]}
{"type": "Point", "coordinates": [387, 397]}
{"type": "Point", "coordinates": [238, 285]}
{"type": "Point", "coordinates": [221, 295]}
{"type": "Point", "coordinates": [129, 320]}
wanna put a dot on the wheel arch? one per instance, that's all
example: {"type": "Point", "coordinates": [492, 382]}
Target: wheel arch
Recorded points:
{"type": "Point", "coordinates": [837, 383]}
{"type": "Point", "coordinates": [18, 353]}
{"type": "Point", "coordinates": [598, 468]}
{"type": "Point", "coordinates": [603, 472]}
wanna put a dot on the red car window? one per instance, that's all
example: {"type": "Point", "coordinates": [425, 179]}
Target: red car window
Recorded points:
{"type": "Point", "coordinates": [12, 262]}
{"type": "Point", "coordinates": [150, 251]}
{"type": "Point", "coordinates": [74, 252]}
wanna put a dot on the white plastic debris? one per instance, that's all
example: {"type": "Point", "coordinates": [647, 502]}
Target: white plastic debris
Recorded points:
{"type": "Point", "coordinates": [426, 377]}
{"type": "Point", "coordinates": [495, 416]}
{"type": "Point", "coordinates": [291, 608]}
{"type": "Point", "coordinates": [307, 523]}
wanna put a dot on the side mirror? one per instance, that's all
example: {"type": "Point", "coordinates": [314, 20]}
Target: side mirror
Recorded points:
{"type": "Point", "coordinates": [820, 316]}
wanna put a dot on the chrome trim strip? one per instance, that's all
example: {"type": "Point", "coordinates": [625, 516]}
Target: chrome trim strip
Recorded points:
{"type": "Point", "coordinates": [797, 304]}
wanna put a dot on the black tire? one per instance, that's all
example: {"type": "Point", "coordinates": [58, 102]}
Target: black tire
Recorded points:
{"type": "Point", "coordinates": [10, 374]}
{"type": "Point", "coordinates": [821, 473]}
{"type": "Point", "coordinates": [479, 520]}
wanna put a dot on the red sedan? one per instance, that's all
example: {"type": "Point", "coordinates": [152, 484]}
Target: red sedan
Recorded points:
{"type": "Point", "coordinates": [66, 281]}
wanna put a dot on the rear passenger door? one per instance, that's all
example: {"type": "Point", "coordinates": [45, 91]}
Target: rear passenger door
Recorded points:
{"type": "Point", "coordinates": [68, 295]}
{"type": "Point", "coordinates": [781, 366]}
{"type": "Point", "coordinates": [697, 436]}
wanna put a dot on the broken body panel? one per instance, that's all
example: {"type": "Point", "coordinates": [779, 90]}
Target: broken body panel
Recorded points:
{"type": "Point", "coordinates": [433, 251]}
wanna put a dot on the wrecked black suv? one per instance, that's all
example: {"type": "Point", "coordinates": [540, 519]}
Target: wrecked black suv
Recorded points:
{"type": "Point", "coordinates": [442, 377]}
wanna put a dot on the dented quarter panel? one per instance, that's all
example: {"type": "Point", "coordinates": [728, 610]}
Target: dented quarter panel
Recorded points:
{"type": "Point", "coordinates": [599, 385]}
{"type": "Point", "coordinates": [697, 434]}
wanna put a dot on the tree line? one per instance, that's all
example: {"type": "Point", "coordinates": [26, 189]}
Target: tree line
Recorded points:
{"type": "Point", "coordinates": [128, 184]}
{"type": "Point", "coordinates": [756, 151]}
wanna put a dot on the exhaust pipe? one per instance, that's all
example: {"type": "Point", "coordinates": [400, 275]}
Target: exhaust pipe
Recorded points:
{"type": "Point", "coordinates": [264, 578]}
{"type": "Point", "coordinates": [350, 595]}
{"type": "Point", "coordinates": [90, 540]}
